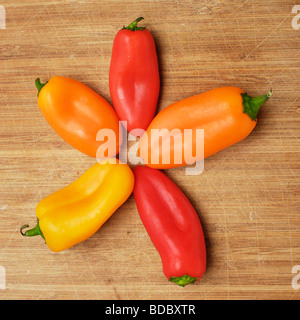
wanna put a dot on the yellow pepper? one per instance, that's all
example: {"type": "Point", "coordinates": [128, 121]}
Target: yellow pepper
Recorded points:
{"type": "Point", "coordinates": [74, 213]}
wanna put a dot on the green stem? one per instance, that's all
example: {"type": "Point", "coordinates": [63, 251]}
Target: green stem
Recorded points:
{"type": "Point", "coordinates": [39, 85]}
{"type": "Point", "coordinates": [252, 105]}
{"type": "Point", "coordinates": [183, 280]}
{"type": "Point", "coordinates": [133, 26]}
{"type": "Point", "coordinates": [36, 231]}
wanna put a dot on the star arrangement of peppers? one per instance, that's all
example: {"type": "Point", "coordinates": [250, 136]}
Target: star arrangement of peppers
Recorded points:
{"type": "Point", "coordinates": [77, 113]}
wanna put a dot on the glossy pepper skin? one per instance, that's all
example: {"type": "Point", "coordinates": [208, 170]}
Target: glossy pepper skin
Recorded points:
{"type": "Point", "coordinates": [227, 115]}
{"type": "Point", "coordinates": [77, 113]}
{"type": "Point", "coordinates": [172, 224]}
{"type": "Point", "coordinates": [74, 213]}
{"type": "Point", "coordinates": [134, 76]}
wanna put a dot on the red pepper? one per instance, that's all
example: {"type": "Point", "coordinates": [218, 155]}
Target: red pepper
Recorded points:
{"type": "Point", "coordinates": [134, 76]}
{"type": "Point", "coordinates": [172, 224]}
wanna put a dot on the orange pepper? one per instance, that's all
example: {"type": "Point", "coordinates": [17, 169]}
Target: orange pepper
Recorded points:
{"type": "Point", "coordinates": [227, 115]}
{"type": "Point", "coordinates": [77, 113]}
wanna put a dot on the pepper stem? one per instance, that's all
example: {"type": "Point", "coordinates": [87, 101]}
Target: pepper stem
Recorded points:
{"type": "Point", "coordinates": [183, 280]}
{"type": "Point", "coordinates": [252, 105]}
{"type": "Point", "coordinates": [133, 26]}
{"type": "Point", "coordinates": [36, 231]}
{"type": "Point", "coordinates": [39, 85]}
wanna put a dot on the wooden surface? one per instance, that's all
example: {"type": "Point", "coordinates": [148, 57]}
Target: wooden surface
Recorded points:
{"type": "Point", "coordinates": [247, 197]}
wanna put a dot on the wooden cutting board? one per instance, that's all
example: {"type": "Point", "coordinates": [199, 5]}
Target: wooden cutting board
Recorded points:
{"type": "Point", "coordinates": [248, 195]}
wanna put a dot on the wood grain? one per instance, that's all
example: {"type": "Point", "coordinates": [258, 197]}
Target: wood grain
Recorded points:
{"type": "Point", "coordinates": [247, 197]}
